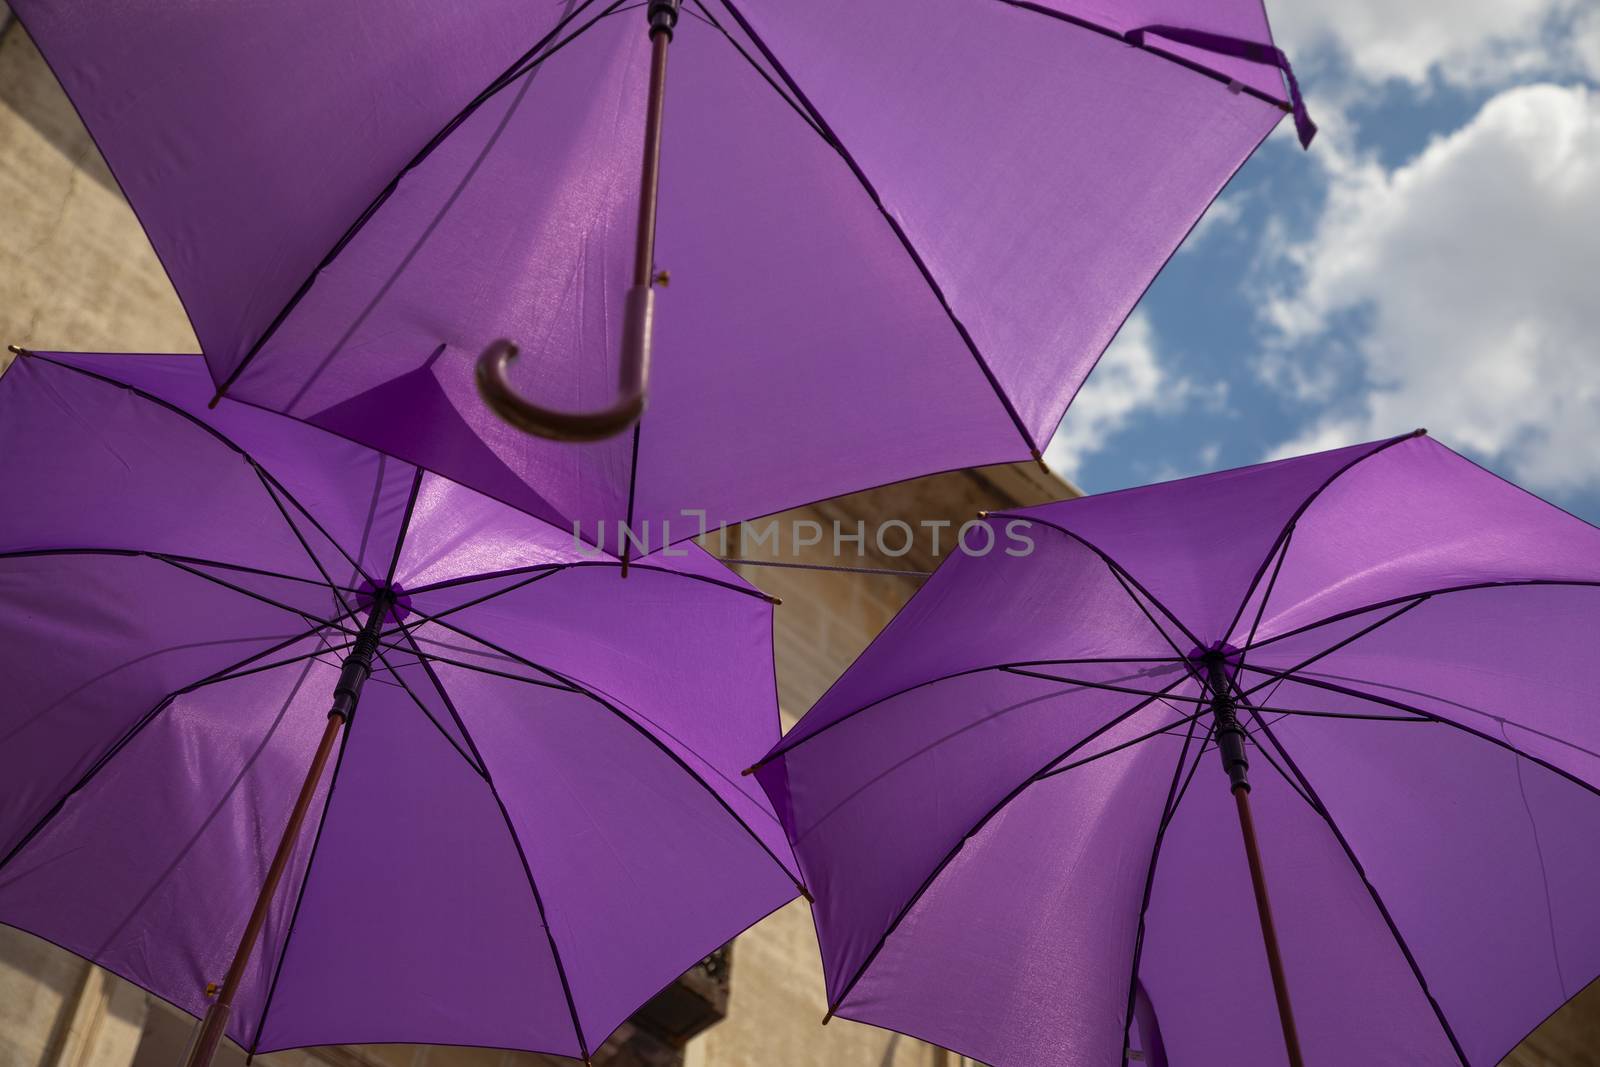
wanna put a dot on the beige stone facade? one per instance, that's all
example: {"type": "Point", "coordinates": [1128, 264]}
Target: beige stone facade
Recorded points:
{"type": "Point", "coordinates": [76, 273]}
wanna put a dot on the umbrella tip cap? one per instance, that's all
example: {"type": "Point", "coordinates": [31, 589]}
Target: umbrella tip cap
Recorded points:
{"type": "Point", "coordinates": [828, 1017]}
{"type": "Point", "coordinates": [1420, 431]}
{"type": "Point", "coordinates": [805, 893]}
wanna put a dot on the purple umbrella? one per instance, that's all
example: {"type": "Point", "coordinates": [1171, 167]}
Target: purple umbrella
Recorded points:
{"type": "Point", "coordinates": [1017, 852]}
{"type": "Point", "coordinates": [900, 233]}
{"type": "Point", "coordinates": [534, 822]}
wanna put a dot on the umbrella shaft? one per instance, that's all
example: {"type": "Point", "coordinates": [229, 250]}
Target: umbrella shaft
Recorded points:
{"type": "Point", "coordinates": [1230, 737]}
{"type": "Point", "coordinates": [1269, 935]}
{"type": "Point", "coordinates": [352, 676]}
{"type": "Point", "coordinates": [644, 249]}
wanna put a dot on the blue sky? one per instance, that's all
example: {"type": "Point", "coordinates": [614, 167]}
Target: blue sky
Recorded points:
{"type": "Point", "coordinates": [1434, 260]}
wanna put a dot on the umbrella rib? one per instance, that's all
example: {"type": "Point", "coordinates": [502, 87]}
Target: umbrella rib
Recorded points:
{"type": "Point", "coordinates": [516, 841]}
{"type": "Point", "coordinates": [515, 71]}
{"type": "Point", "coordinates": [833, 140]}
{"type": "Point", "coordinates": [527, 870]}
{"type": "Point", "coordinates": [782, 749]}
{"type": "Point", "coordinates": [223, 675]}
{"type": "Point", "coordinates": [405, 527]}
{"type": "Point", "coordinates": [267, 480]}
{"type": "Point", "coordinates": [1187, 720]}
{"type": "Point", "coordinates": [1321, 809]}
{"type": "Point", "coordinates": [269, 601]}
{"type": "Point", "coordinates": [199, 561]}
{"type": "Point", "coordinates": [1341, 643]}
{"type": "Point", "coordinates": [269, 484]}
{"type": "Point", "coordinates": [294, 916]}
{"type": "Point", "coordinates": [573, 565]}
{"type": "Point", "coordinates": [1123, 575]}
{"type": "Point", "coordinates": [1453, 724]}
{"type": "Point", "coordinates": [434, 657]}
{"type": "Point", "coordinates": [1578, 583]}
{"type": "Point", "coordinates": [784, 96]}
{"type": "Point", "coordinates": [1109, 687]}
{"type": "Point", "coordinates": [1294, 518]}
{"type": "Point", "coordinates": [428, 714]}
{"type": "Point", "coordinates": [1167, 810]}
{"type": "Point", "coordinates": [579, 688]}
{"type": "Point", "coordinates": [1188, 64]}
{"type": "Point", "coordinates": [1499, 720]}
{"type": "Point", "coordinates": [838, 1002]}
{"type": "Point", "coordinates": [1282, 553]}
{"type": "Point", "coordinates": [625, 535]}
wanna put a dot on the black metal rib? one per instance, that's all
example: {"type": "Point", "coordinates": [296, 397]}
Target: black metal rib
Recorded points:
{"type": "Point", "coordinates": [1187, 720]}
{"type": "Point", "coordinates": [251, 594]}
{"type": "Point", "coordinates": [274, 487]}
{"type": "Point", "coordinates": [579, 688]}
{"type": "Point", "coordinates": [417, 700]}
{"type": "Point", "coordinates": [1294, 518]}
{"type": "Point", "coordinates": [1116, 569]}
{"type": "Point", "coordinates": [294, 915]}
{"type": "Point", "coordinates": [1359, 694]}
{"type": "Point", "coordinates": [633, 482]}
{"type": "Point", "coordinates": [1187, 64]}
{"type": "Point", "coordinates": [1168, 809]}
{"type": "Point", "coordinates": [1426, 594]}
{"type": "Point", "coordinates": [838, 1002]}
{"type": "Point", "coordinates": [533, 885]}
{"type": "Point", "coordinates": [525, 63]}
{"type": "Point", "coordinates": [225, 674]}
{"type": "Point", "coordinates": [711, 20]}
{"type": "Point", "coordinates": [268, 481]}
{"type": "Point", "coordinates": [199, 561]}
{"type": "Point", "coordinates": [1261, 609]}
{"type": "Point", "coordinates": [1322, 810]}
{"type": "Point", "coordinates": [783, 749]}
{"type": "Point", "coordinates": [832, 139]}
{"type": "Point", "coordinates": [585, 563]}
{"type": "Point", "coordinates": [405, 526]}
{"type": "Point", "coordinates": [1344, 642]}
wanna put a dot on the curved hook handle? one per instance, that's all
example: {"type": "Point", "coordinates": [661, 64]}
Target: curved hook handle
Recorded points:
{"type": "Point", "coordinates": [494, 384]}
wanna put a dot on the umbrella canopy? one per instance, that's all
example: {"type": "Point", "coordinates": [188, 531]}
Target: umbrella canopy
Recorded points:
{"type": "Point", "coordinates": [1017, 826]}
{"type": "Point", "coordinates": [899, 233]}
{"type": "Point", "coordinates": [534, 821]}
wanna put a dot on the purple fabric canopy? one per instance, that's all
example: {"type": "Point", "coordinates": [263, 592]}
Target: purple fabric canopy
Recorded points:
{"type": "Point", "coordinates": [1018, 831]}
{"type": "Point", "coordinates": [535, 821]}
{"type": "Point", "coordinates": [900, 233]}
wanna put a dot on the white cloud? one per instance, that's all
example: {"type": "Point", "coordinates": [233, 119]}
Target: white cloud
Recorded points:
{"type": "Point", "coordinates": [1129, 380]}
{"type": "Point", "coordinates": [1472, 270]}
{"type": "Point", "coordinates": [1461, 42]}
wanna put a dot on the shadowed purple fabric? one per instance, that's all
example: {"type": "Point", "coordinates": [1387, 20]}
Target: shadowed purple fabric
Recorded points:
{"type": "Point", "coordinates": [900, 233]}
{"type": "Point", "coordinates": [535, 820]}
{"type": "Point", "coordinates": [1022, 842]}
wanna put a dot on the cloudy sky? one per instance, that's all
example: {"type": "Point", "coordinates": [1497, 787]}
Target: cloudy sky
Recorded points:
{"type": "Point", "coordinates": [1434, 260]}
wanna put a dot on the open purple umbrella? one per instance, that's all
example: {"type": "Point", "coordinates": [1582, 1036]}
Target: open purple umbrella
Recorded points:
{"type": "Point", "coordinates": [534, 821]}
{"type": "Point", "coordinates": [900, 233]}
{"type": "Point", "coordinates": [1016, 850]}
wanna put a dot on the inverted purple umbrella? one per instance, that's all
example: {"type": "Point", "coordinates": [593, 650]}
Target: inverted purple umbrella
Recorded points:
{"type": "Point", "coordinates": [900, 233]}
{"type": "Point", "coordinates": [1015, 849]}
{"type": "Point", "coordinates": [534, 818]}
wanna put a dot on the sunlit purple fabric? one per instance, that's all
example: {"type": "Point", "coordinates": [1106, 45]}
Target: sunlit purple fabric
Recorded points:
{"type": "Point", "coordinates": [1024, 848]}
{"type": "Point", "coordinates": [536, 819]}
{"type": "Point", "coordinates": [900, 233]}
